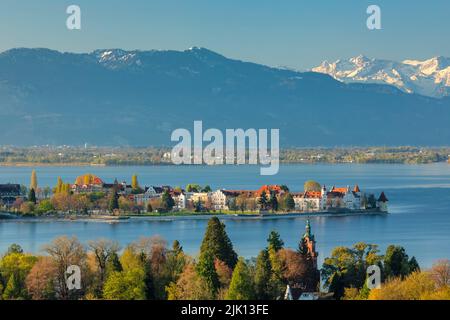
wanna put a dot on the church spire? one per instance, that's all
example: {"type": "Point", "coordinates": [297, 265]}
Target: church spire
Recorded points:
{"type": "Point", "coordinates": [308, 233]}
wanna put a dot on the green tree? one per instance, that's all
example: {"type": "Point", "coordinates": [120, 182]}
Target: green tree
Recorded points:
{"type": "Point", "coordinates": [346, 268]}
{"type": "Point", "coordinates": [262, 200]}
{"type": "Point", "coordinates": [12, 289]}
{"type": "Point", "coordinates": [14, 268]}
{"type": "Point", "coordinates": [232, 204]}
{"type": "Point", "coordinates": [241, 285]}
{"type": "Point", "coordinates": [371, 201]}
{"type": "Point", "coordinates": [275, 241]}
{"type": "Point", "coordinates": [289, 202]}
{"type": "Point", "coordinates": [113, 203]}
{"type": "Point", "coordinates": [167, 201]}
{"type": "Point", "coordinates": [206, 188]}
{"type": "Point", "coordinates": [217, 242]}
{"type": "Point", "coordinates": [397, 262]}
{"type": "Point", "coordinates": [312, 185]}
{"type": "Point", "coordinates": [32, 196]}
{"type": "Point", "coordinates": [125, 285]}
{"type": "Point", "coordinates": [206, 269]}
{"type": "Point", "coordinates": [193, 187]}
{"type": "Point", "coordinates": [176, 247]}
{"type": "Point", "coordinates": [33, 180]}
{"type": "Point", "coordinates": [263, 277]}
{"type": "Point", "coordinates": [113, 263]}
{"type": "Point", "coordinates": [273, 202]}
{"type": "Point", "coordinates": [14, 248]}
{"type": "Point", "coordinates": [45, 206]}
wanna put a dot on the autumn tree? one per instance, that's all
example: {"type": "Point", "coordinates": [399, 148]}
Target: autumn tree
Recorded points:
{"type": "Point", "coordinates": [346, 267]}
{"type": "Point", "coordinates": [40, 281]}
{"type": "Point", "coordinates": [312, 185]}
{"type": "Point", "coordinates": [65, 252]}
{"type": "Point", "coordinates": [241, 202]}
{"type": "Point", "coordinates": [189, 286]}
{"type": "Point", "coordinates": [415, 286]}
{"type": "Point", "coordinates": [103, 251]}
{"type": "Point", "coordinates": [33, 180]}
{"type": "Point", "coordinates": [440, 272]}
{"type": "Point", "coordinates": [14, 268]}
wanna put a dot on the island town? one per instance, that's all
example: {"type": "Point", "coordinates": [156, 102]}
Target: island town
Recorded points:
{"type": "Point", "coordinates": [89, 195]}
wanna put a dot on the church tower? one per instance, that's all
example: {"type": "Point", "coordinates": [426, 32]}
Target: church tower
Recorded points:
{"type": "Point", "coordinates": [308, 245]}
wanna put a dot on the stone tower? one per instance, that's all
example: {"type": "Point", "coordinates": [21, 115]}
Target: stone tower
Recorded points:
{"type": "Point", "coordinates": [308, 245]}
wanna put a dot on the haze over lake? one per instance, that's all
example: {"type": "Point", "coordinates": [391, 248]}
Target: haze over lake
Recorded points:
{"type": "Point", "coordinates": [419, 206]}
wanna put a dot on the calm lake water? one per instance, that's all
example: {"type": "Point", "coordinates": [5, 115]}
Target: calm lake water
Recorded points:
{"type": "Point", "coordinates": [419, 208]}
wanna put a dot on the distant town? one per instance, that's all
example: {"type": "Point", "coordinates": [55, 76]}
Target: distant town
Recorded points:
{"type": "Point", "coordinates": [89, 195]}
{"type": "Point", "coordinates": [89, 155]}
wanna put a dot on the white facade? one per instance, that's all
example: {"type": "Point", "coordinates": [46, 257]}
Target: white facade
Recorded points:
{"type": "Point", "coordinates": [218, 200]}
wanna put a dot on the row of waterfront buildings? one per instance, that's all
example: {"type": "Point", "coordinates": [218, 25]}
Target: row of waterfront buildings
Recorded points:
{"type": "Point", "coordinates": [327, 199]}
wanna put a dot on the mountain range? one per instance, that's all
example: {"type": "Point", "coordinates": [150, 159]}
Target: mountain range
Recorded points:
{"type": "Point", "coordinates": [115, 97]}
{"type": "Point", "coordinates": [427, 77]}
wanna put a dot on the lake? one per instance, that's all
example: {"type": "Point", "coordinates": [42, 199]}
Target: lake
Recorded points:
{"type": "Point", "coordinates": [419, 206]}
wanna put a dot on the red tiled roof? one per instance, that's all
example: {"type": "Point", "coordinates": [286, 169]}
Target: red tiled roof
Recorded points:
{"type": "Point", "coordinates": [340, 190]}
{"type": "Point", "coordinates": [268, 189]}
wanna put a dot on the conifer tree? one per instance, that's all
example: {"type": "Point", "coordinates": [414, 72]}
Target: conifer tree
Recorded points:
{"type": "Point", "coordinates": [113, 201]}
{"type": "Point", "coordinates": [167, 201]}
{"type": "Point", "coordinates": [262, 200]}
{"type": "Point", "coordinates": [241, 285]}
{"type": "Point", "coordinates": [273, 202]}
{"type": "Point", "coordinates": [206, 269]}
{"type": "Point", "coordinates": [12, 289]}
{"type": "Point", "coordinates": [289, 202]}
{"type": "Point", "coordinates": [32, 196]}
{"type": "Point", "coordinates": [263, 276]}
{"type": "Point", "coordinates": [275, 241]}
{"type": "Point", "coordinates": [217, 242]}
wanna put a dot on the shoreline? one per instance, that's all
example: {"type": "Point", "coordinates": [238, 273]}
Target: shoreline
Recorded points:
{"type": "Point", "coordinates": [83, 164]}
{"type": "Point", "coordinates": [124, 218]}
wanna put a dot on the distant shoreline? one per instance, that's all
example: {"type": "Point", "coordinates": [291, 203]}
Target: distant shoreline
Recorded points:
{"type": "Point", "coordinates": [78, 164]}
{"type": "Point", "coordinates": [44, 164]}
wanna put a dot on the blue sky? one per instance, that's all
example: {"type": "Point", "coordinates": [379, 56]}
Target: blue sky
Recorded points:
{"type": "Point", "coordinates": [292, 33]}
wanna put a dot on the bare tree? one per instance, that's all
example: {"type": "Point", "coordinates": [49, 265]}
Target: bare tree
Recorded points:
{"type": "Point", "coordinates": [103, 249]}
{"type": "Point", "coordinates": [441, 272]}
{"type": "Point", "coordinates": [65, 252]}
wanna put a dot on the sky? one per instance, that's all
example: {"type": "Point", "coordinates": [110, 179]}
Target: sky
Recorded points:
{"type": "Point", "coordinates": [292, 33]}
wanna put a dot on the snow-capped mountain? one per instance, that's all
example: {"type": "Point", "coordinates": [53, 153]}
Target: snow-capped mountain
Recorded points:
{"type": "Point", "coordinates": [118, 97]}
{"type": "Point", "coordinates": [429, 77]}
